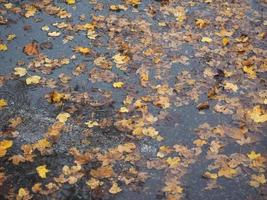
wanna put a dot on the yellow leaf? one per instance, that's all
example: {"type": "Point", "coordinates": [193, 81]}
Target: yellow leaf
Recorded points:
{"type": "Point", "coordinates": [82, 50]}
{"type": "Point", "coordinates": [201, 23]}
{"type": "Point", "coordinates": [42, 170]}
{"type": "Point", "coordinates": [63, 117]}
{"type": "Point", "coordinates": [94, 183]}
{"type": "Point", "coordinates": [253, 155]}
{"type": "Point", "coordinates": [206, 39]}
{"type": "Point", "coordinates": [118, 84]}
{"type": "Point", "coordinates": [173, 162]}
{"type": "Point", "coordinates": [257, 114]}
{"type": "Point", "coordinates": [250, 71]}
{"type": "Point", "coordinates": [115, 188]}
{"type": "Point", "coordinates": [11, 37]}
{"type": "Point", "coordinates": [30, 11]}
{"type": "Point", "coordinates": [225, 41]}
{"type": "Point", "coordinates": [256, 181]}
{"type": "Point", "coordinates": [20, 71]}
{"type": "Point", "coordinates": [230, 86]}
{"type": "Point", "coordinates": [199, 142]}
{"type": "Point", "coordinates": [22, 192]}
{"type": "Point", "coordinates": [70, 2]}
{"type": "Point", "coordinates": [42, 144]}
{"type": "Point", "coordinates": [3, 103]}
{"type": "Point", "coordinates": [210, 175]}
{"type": "Point", "coordinates": [4, 146]}
{"type": "Point", "coordinates": [91, 124]}
{"type": "Point", "coordinates": [3, 47]}
{"type": "Point", "coordinates": [54, 34]}
{"type": "Point", "coordinates": [227, 172]}
{"type": "Point", "coordinates": [120, 59]}
{"type": "Point", "coordinates": [123, 110]}
{"type": "Point", "coordinates": [33, 80]}
{"type": "Point", "coordinates": [134, 2]}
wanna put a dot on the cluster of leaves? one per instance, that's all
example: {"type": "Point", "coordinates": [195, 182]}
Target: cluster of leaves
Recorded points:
{"type": "Point", "coordinates": [147, 67]}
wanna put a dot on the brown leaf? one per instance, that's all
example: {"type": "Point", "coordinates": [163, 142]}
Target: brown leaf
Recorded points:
{"type": "Point", "coordinates": [31, 49]}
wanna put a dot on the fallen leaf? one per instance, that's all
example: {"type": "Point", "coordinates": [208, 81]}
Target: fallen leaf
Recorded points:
{"type": "Point", "coordinates": [33, 80]}
{"type": "Point", "coordinates": [94, 183]}
{"type": "Point", "coordinates": [257, 114]}
{"type": "Point", "coordinates": [230, 86]}
{"type": "Point", "coordinates": [42, 171]}
{"type": "Point", "coordinates": [91, 124]}
{"type": "Point", "coordinates": [257, 181]}
{"type": "Point", "coordinates": [3, 103]}
{"type": "Point", "coordinates": [3, 47]}
{"type": "Point", "coordinates": [115, 188]}
{"type": "Point", "coordinates": [54, 34]}
{"type": "Point", "coordinates": [4, 146]}
{"type": "Point", "coordinates": [70, 2]}
{"type": "Point", "coordinates": [118, 84]}
{"type": "Point", "coordinates": [63, 117]}
{"type": "Point", "coordinates": [31, 49]}
{"type": "Point", "coordinates": [20, 71]}
{"type": "Point", "coordinates": [206, 39]}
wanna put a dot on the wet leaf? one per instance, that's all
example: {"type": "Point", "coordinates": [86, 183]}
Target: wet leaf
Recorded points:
{"type": "Point", "coordinates": [70, 2]}
{"type": "Point", "coordinates": [118, 84]}
{"type": "Point", "coordinates": [94, 183]}
{"type": "Point", "coordinates": [206, 39]}
{"type": "Point", "coordinates": [4, 146]}
{"type": "Point", "coordinates": [33, 80]}
{"type": "Point", "coordinates": [115, 188]}
{"type": "Point", "coordinates": [42, 171]}
{"type": "Point", "coordinates": [3, 47]}
{"type": "Point", "coordinates": [257, 114]}
{"type": "Point", "coordinates": [3, 103]}
{"type": "Point", "coordinates": [31, 49]}
{"type": "Point", "coordinates": [63, 117]}
{"type": "Point", "coordinates": [20, 71]}
{"type": "Point", "coordinates": [257, 180]}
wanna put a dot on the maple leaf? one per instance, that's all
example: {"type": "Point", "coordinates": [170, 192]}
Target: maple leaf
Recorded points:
{"type": "Point", "coordinates": [30, 11]}
{"type": "Point", "coordinates": [3, 47]}
{"type": "Point", "coordinates": [20, 71]}
{"type": "Point", "coordinates": [230, 86]}
{"type": "Point", "coordinates": [257, 114]}
{"type": "Point", "coordinates": [56, 97]}
{"type": "Point", "coordinates": [173, 162]}
{"type": "Point", "coordinates": [115, 188]}
{"type": "Point", "coordinates": [201, 23]}
{"type": "Point", "coordinates": [257, 180]}
{"type": "Point", "coordinates": [121, 59]}
{"type": "Point", "coordinates": [3, 103]}
{"type": "Point", "coordinates": [124, 110]}
{"type": "Point", "coordinates": [94, 183]}
{"type": "Point", "coordinates": [31, 49]}
{"type": "Point", "coordinates": [227, 172]}
{"type": "Point", "coordinates": [63, 117]}
{"type": "Point", "coordinates": [250, 71]}
{"type": "Point", "coordinates": [118, 84]}
{"type": "Point", "coordinates": [253, 155]}
{"type": "Point", "coordinates": [11, 37]}
{"type": "Point", "coordinates": [33, 80]}
{"type": "Point", "coordinates": [42, 171]}
{"type": "Point", "coordinates": [4, 146]}
{"type": "Point", "coordinates": [42, 144]}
